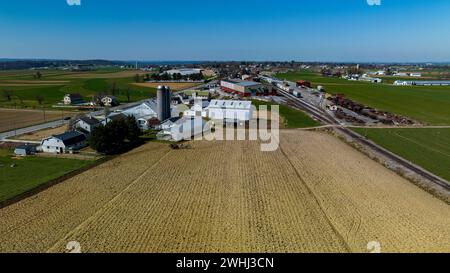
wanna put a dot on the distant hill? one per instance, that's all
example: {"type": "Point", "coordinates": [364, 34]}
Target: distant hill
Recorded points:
{"type": "Point", "coordinates": [12, 64]}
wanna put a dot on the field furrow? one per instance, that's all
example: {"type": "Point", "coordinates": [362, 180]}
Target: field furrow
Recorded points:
{"type": "Point", "coordinates": [315, 194]}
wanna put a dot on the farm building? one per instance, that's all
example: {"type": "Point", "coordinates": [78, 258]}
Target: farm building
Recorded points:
{"type": "Point", "coordinates": [182, 129]}
{"type": "Point", "coordinates": [423, 83]}
{"type": "Point", "coordinates": [303, 84]}
{"type": "Point", "coordinates": [73, 99]}
{"type": "Point", "coordinates": [242, 88]}
{"type": "Point", "coordinates": [26, 149]}
{"type": "Point", "coordinates": [146, 111]}
{"type": "Point", "coordinates": [64, 143]}
{"type": "Point", "coordinates": [197, 110]}
{"type": "Point", "coordinates": [235, 111]}
{"type": "Point", "coordinates": [87, 124]}
{"type": "Point", "coordinates": [169, 123]}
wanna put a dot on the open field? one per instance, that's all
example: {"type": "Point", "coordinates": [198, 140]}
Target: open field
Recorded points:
{"type": "Point", "coordinates": [55, 84]}
{"type": "Point", "coordinates": [31, 172]}
{"type": "Point", "coordinates": [290, 118]}
{"type": "Point", "coordinates": [428, 148]}
{"type": "Point", "coordinates": [40, 135]}
{"type": "Point", "coordinates": [173, 85]}
{"type": "Point", "coordinates": [426, 104]}
{"type": "Point", "coordinates": [315, 194]}
{"type": "Point", "coordinates": [11, 119]}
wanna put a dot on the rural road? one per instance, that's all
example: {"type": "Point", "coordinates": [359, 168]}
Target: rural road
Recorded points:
{"type": "Point", "coordinates": [33, 128]}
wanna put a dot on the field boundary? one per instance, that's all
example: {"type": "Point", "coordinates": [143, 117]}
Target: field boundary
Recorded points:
{"type": "Point", "coordinates": [418, 180]}
{"type": "Point", "coordinates": [53, 182]}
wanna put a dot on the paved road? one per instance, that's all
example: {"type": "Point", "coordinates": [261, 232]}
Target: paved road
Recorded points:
{"type": "Point", "coordinates": [33, 128]}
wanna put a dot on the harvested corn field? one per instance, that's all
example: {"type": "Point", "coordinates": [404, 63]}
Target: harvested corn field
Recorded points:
{"type": "Point", "coordinates": [315, 194]}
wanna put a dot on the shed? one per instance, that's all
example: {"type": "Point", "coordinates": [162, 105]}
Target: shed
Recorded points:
{"type": "Point", "coordinates": [25, 149]}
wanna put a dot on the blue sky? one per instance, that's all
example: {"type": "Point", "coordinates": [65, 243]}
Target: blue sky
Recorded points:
{"type": "Point", "coordinates": [308, 30]}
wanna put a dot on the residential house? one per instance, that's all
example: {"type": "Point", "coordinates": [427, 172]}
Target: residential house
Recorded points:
{"type": "Point", "coordinates": [109, 100]}
{"type": "Point", "coordinates": [73, 99]}
{"type": "Point", "coordinates": [86, 124]}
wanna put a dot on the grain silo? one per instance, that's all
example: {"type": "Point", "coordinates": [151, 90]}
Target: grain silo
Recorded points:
{"type": "Point", "coordinates": [164, 100]}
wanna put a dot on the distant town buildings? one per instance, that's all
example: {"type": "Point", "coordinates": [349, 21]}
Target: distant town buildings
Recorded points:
{"type": "Point", "coordinates": [423, 83]}
{"type": "Point", "coordinates": [184, 71]}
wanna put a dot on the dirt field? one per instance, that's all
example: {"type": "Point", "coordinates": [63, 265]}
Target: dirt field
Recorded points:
{"type": "Point", "coordinates": [173, 85]}
{"type": "Point", "coordinates": [11, 119]}
{"type": "Point", "coordinates": [315, 194]}
{"type": "Point", "coordinates": [40, 135]}
{"type": "Point", "coordinates": [93, 75]}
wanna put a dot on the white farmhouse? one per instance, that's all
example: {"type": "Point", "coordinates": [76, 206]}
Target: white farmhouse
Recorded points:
{"type": "Point", "coordinates": [64, 143]}
{"type": "Point", "coordinates": [109, 101]}
{"type": "Point", "coordinates": [235, 111]}
{"type": "Point", "coordinates": [73, 99]}
{"type": "Point", "coordinates": [87, 124]}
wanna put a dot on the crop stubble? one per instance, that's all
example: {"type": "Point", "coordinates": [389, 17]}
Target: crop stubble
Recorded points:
{"type": "Point", "coordinates": [316, 194]}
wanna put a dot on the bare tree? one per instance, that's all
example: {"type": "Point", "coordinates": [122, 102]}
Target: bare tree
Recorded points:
{"type": "Point", "coordinates": [113, 89]}
{"type": "Point", "coordinates": [7, 94]}
{"type": "Point", "coordinates": [137, 78]}
{"type": "Point", "coordinates": [40, 99]}
{"type": "Point", "coordinates": [128, 94]}
{"type": "Point", "coordinates": [20, 99]}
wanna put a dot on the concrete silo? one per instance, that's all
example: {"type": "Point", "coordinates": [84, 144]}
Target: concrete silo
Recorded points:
{"type": "Point", "coordinates": [164, 99]}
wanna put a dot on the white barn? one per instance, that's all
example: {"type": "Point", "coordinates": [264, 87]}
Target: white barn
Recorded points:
{"type": "Point", "coordinates": [64, 143]}
{"type": "Point", "coordinates": [230, 110]}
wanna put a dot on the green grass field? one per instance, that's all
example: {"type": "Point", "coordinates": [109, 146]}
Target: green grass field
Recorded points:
{"type": "Point", "coordinates": [429, 148]}
{"type": "Point", "coordinates": [428, 105]}
{"type": "Point", "coordinates": [31, 172]}
{"type": "Point", "coordinates": [55, 84]}
{"type": "Point", "coordinates": [292, 117]}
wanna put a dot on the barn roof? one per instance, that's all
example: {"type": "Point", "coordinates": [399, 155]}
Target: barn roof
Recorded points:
{"type": "Point", "coordinates": [70, 138]}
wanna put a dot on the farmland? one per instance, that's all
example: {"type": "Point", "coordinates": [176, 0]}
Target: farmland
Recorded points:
{"type": "Point", "coordinates": [290, 118]}
{"type": "Point", "coordinates": [428, 105]}
{"type": "Point", "coordinates": [53, 85]}
{"type": "Point", "coordinates": [428, 147]}
{"type": "Point", "coordinates": [173, 85]}
{"type": "Point", "coordinates": [31, 172]}
{"type": "Point", "coordinates": [315, 194]}
{"type": "Point", "coordinates": [11, 119]}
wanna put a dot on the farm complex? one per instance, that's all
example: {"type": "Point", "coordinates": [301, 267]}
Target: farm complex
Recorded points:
{"type": "Point", "coordinates": [133, 167]}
